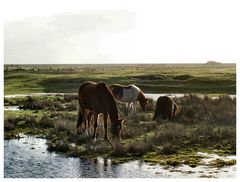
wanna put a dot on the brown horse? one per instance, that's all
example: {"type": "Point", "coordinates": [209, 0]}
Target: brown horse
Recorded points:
{"type": "Point", "coordinates": [165, 107]}
{"type": "Point", "coordinates": [98, 98]}
{"type": "Point", "coordinates": [130, 94]}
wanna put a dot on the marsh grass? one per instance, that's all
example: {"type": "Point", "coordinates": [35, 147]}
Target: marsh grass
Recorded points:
{"type": "Point", "coordinates": [19, 122]}
{"type": "Point", "coordinates": [13, 101]}
{"type": "Point", "coordinates": [220, 163]}
{"type": "Point", "coordinates": [150, 105]}
{"type": "Point", "coordinates": [51, 103]}
{"type": "Point", "coordinates": [70, 97]}
{"type": "Point", "coordinates": [71, 106]}
{"type": "Point", "coordinates": [67, 126]}
{"type": "Point", "coordinates": [35, 103]}
{"type": "Point", "coordinates": [201, 123]}
{"type": "Point", "coordinates": [220, 111]}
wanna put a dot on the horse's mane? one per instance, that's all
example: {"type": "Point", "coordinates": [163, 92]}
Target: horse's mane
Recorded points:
{"type": "Point", "coordinates": [132, 85]}
{"type": "Point", "coordinates": [141, 95]}
{"type": "Point", "coordinates": [107, 87]}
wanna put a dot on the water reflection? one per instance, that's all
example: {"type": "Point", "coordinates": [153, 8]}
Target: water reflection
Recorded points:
{"type": "Point", "coordinates": [28, 157]}
{"type": "Point", "coordinates": [103, 167]}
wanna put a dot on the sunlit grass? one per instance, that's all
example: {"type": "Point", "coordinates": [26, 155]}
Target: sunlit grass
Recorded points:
{"type": "Point", "coordinates": [167, 79]}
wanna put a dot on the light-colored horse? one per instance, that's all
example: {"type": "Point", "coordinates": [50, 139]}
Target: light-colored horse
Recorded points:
{"type": "Point", "coordinates": [130, 94]}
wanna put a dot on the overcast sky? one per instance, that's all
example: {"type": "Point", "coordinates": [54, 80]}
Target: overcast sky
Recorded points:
{"type": "Point", "coordinates": [122, 31]}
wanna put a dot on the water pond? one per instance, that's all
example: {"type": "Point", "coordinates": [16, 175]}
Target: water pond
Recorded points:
{"type": "Point", "coordinates": [28, 157]}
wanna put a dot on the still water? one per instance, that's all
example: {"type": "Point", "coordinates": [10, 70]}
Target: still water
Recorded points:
{"type": "Point", "coordinates": [148, 95]}
{"type": "Point", "coordinates": [28, 157]}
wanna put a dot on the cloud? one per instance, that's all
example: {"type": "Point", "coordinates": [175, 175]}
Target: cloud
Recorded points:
{"type": "Point", "coordinates": [63, 38]}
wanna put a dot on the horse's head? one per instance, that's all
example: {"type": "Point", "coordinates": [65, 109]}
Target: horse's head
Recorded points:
{"type": "Point", "coordinates": [116, 129]}
{"type": "Point", "coordinates": [143, 103]}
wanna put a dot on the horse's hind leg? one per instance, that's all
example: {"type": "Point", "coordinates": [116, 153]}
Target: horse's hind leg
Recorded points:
{"type": "Point", "coordinates": [95, 116]}
{"type": "Point", "coordinates": [105, 127]}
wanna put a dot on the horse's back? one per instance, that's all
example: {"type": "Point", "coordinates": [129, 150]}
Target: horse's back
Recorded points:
{"type": "Point", "coordinates": [165, 106]}
{"type": "Point", "coordinates": [95, 96]}
{"type": "Point", "coordinates": [125, 93]}
{"type": "Point", "coordinates": [86, 89]}
{"type": "Point", "coordinates": [164, 101]}
{"type": "Point", "coordinates": [119, 86]}
{"type": "Point", "coordinates": [134, 87]}
{"type": "Point", "coordinates": [87, 86]}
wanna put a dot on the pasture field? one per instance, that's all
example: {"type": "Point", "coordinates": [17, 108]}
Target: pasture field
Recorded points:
{"type": "Point", "coordinates": [165, 78]}
{"type": "Point", "coordinates": [202, 124]}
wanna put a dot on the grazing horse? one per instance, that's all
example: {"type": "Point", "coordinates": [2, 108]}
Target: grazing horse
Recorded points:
{"type": "Point", "coordinates": [165, 107]}
{"type": "Point", "coordinates": [129, 94]}
{"type": "Point", "coordinates": [98, 98]}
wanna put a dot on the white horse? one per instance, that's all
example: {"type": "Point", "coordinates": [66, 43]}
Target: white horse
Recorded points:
{"type": "Point", "coordinates": [130, 94]}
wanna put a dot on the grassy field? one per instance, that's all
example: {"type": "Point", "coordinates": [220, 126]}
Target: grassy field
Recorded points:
{"type": "Point", "coordinates": [203, 124]}
{"type": "Point", "coordinates": [182, 78]}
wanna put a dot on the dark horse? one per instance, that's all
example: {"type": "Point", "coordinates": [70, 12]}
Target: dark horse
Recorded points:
{"type": "Point", "coordinates": [98, 98]}
{"type": "Point", "coordinates": [166, 108]}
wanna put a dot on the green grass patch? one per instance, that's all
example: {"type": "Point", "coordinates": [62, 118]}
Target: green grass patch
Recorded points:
{"type": "Point", "coordinates": [151, 78]}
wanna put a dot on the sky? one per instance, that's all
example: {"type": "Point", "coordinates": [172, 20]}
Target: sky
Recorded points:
{"type": "Point", "coordinates": [109, 31]}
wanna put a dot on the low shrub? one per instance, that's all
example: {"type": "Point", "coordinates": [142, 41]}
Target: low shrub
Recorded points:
{"type": "Point", "coordinates": [46, 122]}
{"type": "Point", "coordinates": [70, 97]}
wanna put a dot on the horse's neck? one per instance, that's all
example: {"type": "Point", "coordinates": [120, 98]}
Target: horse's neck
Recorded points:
{"type": "Point", "coordinates": [112, 107]}
{"type": "Point", "coordinates": [141, 97]}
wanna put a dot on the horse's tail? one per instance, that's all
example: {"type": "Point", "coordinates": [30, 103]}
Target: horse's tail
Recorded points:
{"type": "Point", "coordinates": [80, 116]}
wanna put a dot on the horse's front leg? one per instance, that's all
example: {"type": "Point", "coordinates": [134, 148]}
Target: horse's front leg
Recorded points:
{"type": "Point", "coordinates": [105, 127]}
{"type": "Point", "coordinates": [89, 118]}
{"type": "Point", "coordinates": [128, 108]}
{"type": "Point", "coordinates": [134, 107]}
{"type": "Point", "coordinates": [95, 116]}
